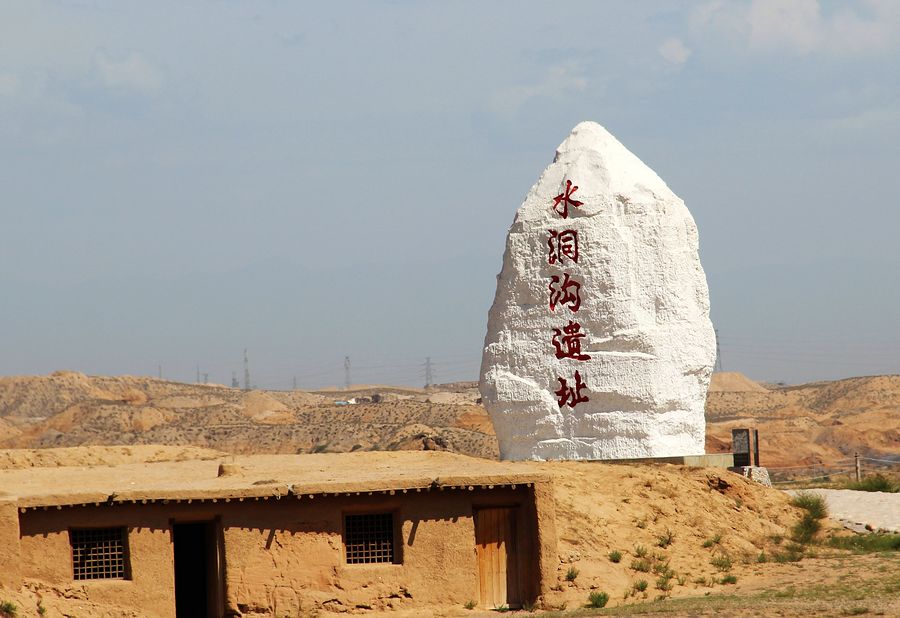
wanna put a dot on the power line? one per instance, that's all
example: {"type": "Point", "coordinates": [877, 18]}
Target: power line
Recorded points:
{"type": "Point", "coordinates": [718, 351]}
{"type": "Point", "coordinates": [246, 371]}
{"type": "Point", "coordinates": [429, 372]}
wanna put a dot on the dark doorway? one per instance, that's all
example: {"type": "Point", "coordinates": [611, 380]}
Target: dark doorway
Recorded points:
{"type": "Point", "coordinates": [196, 569]}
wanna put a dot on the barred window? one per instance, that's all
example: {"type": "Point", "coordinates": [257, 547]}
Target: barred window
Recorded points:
{"type": "Point", "coordinates": [369, 538]}
{"type": "Point", "coordinates": [99, 553]}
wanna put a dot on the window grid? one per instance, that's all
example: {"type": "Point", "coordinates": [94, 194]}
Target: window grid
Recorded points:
{"type": "Point", "coordinates": [369, 538]}
{"type": "Point", "coordinates": [98, 553]}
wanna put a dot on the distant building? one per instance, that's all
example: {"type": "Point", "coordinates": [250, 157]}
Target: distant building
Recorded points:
{"type": "Point", "coordinates": [282, 534]}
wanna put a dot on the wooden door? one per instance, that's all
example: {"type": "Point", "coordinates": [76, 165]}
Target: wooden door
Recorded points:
{"type": "Point", "coordinates": [498, 560]}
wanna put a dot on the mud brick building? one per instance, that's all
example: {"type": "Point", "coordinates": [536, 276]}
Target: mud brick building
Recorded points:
{"type": "Point", "coordinates": [280, 534]}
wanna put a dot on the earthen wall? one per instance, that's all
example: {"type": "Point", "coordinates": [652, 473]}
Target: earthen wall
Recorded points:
{"type": "Point", "coordinates": [286, 556]}
{"type": "Point", "coordinates": [10, 567]}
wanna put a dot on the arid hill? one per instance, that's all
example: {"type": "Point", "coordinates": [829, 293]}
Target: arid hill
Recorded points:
{"type": "Point", "coordinates": [817, 423]}
{"type": "Point", "coordinates": [71, 409]}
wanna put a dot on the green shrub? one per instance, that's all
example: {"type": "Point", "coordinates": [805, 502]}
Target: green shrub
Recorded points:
{"type": "Point", "coordinates": [728, 579]}
{"type": "Point", "coordinates": [642, 565]}
{"type": "Point", "coordinates": [813, 504]}
{"type": "Point", "coordinates": [664, 583]}
{"type": "Point", "coordinates": [877, 482]}
{"type": "Point", "coordinates": [598, 599]}
{"type": "Point", "coordinates": [640, 551]}
{"type": "Point", "coordinates": [640, 585]}
{"type": "Point", "coordinates": [806, 529]}
{"type": "Point", "coordinates": [615, 556]}
{"type": "Point", "coordinates": [713, 540]}
{"type": "Point", "coordinates": [470, 604]}
{"type": "Point", "coordinates": [665, 539]}
{"type": "Point", "coordinates": [762, 557]}
{"type": "Point", "coordinates": [874, 542]}
{"type": "Point", "coordinates": [41, 609]}
{"type": "Point", "coordinates": [9, 609]}
{"type": "Point", "coordinates": [662, 568]}
{"type": "Point", "coordinates": [721, 561]}
{"type": "Point", "coordinates": [571, 574]}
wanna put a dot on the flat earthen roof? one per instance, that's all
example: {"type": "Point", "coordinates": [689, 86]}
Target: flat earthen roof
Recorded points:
{"type": "Point", "coordinates": [259, 476]}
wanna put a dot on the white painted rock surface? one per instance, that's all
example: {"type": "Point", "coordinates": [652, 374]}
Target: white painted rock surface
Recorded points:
{"type": "Point", "coordinates": [643, 315]}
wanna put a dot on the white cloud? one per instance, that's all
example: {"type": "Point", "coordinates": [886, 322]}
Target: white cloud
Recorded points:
{"type": "Point", "coordinates": [559, 82]}
{"type": "Point", "coordinates": [674, 50]}
{"type": "Point", "coordinates": [785, 24]}
{"type": "Point", "coordinates": [801, 27]}
{"type": "Point", "coordinates": [133, 73]}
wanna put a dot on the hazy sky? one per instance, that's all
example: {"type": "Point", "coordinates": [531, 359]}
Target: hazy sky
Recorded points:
{"type": "Point", "coordinates": [310, 180]}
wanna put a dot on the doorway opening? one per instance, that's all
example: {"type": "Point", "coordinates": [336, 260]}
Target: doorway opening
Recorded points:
{"type": "Point", "coordinates": [197, 571]}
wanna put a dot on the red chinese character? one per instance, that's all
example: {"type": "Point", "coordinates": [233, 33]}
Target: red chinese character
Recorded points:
{"type": "Point", "coordinates": [563, 244]}
{"type": "Point", "coordinates": [568, 342]}
{"type": "Point", "coordinates": [565, 200]}
{"type": "Point", "coordinates": [568, 293]}
{"type": "Point", "coordinates": [571, 396]}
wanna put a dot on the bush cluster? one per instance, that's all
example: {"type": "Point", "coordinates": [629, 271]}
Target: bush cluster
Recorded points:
{"type": "Point", "coordinates": [809, 525]}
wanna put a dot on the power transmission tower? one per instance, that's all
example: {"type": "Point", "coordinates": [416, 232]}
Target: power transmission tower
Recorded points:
{"type": "Point", "coordinates": [246, 371]}
{"type": "Point", "coordinates": [198, 373]}
{"type": "Point", "coordinates": [429, 373]}
{"type": "Point", "coordinates": [206, 378]}
{"type": "Point", "coordinates": [718, 352]}
{"type": "Point", "coordinates": [295, 382]}
{"type": "Point", "coordinates": [347, 373]}
{"type": "Point", "coordinates": [234, 380]}
{"type": "Point", "coordinates": [159, 367]}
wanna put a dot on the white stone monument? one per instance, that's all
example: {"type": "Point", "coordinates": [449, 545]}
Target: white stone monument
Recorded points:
{"type": "Point", "coordinates": [599, 343]}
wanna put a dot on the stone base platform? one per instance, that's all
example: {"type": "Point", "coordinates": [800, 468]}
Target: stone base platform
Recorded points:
{"type": "Point", "coordinates": [712, 460]}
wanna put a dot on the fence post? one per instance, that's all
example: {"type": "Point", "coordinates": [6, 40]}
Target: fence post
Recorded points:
{"type": "Point", "coordinates": [858, 469]}
{"type": "Point", "coordinates": [756, 447]}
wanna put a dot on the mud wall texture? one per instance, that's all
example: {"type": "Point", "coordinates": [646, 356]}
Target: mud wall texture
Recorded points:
{"type": "Point", "coordinates": [10, 569]}
{"type": "Point", "coordinates": [47, 555]}
{"type": "Point", "coordinates": [286, 556]}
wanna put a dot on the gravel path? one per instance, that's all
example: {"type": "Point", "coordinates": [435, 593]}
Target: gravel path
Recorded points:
{"type": "Point", "coordinates": [856, 509]}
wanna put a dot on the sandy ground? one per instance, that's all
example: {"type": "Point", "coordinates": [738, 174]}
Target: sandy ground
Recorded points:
{"type": "Point", "coordinates": [859, 509]}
